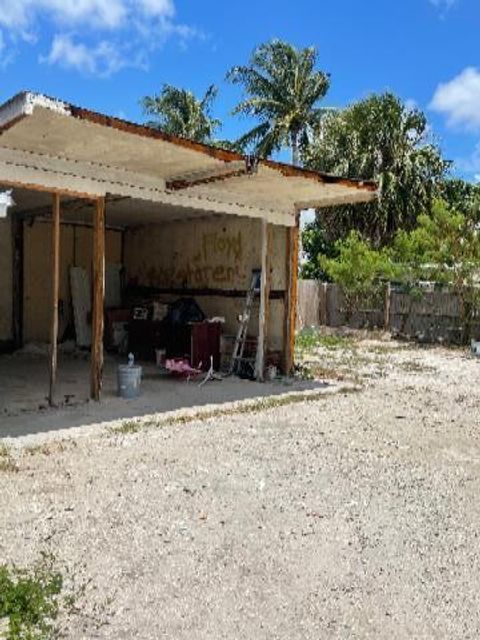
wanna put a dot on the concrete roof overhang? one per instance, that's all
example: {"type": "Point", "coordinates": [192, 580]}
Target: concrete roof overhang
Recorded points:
{"type": "Point", "coordinates": [50, 145]}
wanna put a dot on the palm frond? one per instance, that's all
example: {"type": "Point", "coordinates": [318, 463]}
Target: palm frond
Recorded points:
{"type": "Point", "coordinates": [282, 89]}
{"type": "Point", "coordinates": [179, 112]}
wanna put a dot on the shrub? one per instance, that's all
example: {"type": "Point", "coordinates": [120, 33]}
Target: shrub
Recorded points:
{"type": "Point", "coordinates": [444, 248]}
{"type": "Point", "coordinates": [359, 270]}
{"type": "Point", "coordinates": [29, 601]}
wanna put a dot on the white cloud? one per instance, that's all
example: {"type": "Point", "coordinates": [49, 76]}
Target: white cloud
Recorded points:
{"type": "Point", "coordinates": [102, 59]}
{"type": "Point", "coordinates": [163, 8]}
{"type": "Point", "coordinates": [6, 52]}
{"type": "Point", "coordinates": [445, 5]}
{"type": "Point", "coordinates": [459, 99]}
{"type": "Point", "coordinates": [113, 28]}
{"type": "Point", "coordinates": [22, 14]}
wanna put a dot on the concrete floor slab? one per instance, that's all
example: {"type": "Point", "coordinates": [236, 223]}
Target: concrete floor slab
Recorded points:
{"type": "Point", "coordinates": [24, 386]}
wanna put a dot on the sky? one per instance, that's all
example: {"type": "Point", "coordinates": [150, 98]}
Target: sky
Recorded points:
{"type": "Point", "coordinates": [106, 54]}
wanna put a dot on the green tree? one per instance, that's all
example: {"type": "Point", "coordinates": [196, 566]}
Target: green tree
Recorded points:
{"type": "Point", "coordinates": [461, 195]}
{"type": "Point", "coordinates": [444, 248]}
{"type": "Point", "coordinates": [380, 139]}
{"type": "Point", "coordinates": [315, 243]}
{"type": "Point", "coordinates": [283, 89]}
{"type": "Point", "coordinates": [179, 112]}
{"type": "Point", "coordinates": [359, 270]}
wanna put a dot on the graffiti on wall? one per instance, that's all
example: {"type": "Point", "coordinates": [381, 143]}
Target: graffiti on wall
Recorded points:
{"type": "Point", "coordinates": [218, 261]}
{"type": "Point", "coordinates": [227, 246]}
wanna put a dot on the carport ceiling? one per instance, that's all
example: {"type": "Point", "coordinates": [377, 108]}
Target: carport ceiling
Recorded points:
{"type": "Point", "coordinates": [120, 212]}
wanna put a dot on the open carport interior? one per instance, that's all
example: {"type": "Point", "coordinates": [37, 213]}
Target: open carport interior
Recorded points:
{"type": "Point", "coordinates": [181, 218]}
{"type": "Point", "coordinates": [163, 253]}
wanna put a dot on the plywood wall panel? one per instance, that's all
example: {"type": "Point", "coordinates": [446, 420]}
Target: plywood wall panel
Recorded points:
{"type": "Point", "coordinates": [5, 280]}
{"type": "Point", "coordinates": [212, 253]}
{"type": "Point", "coordinates": [38, 280]}
{"type": "Point", "coordinates": [84, 244]}
{"type": "Point", "coordinates": [75, 250]}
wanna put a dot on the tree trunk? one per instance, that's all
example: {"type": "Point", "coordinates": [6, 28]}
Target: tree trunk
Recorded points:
{"type": "Point", "coordinates": [295, 149]}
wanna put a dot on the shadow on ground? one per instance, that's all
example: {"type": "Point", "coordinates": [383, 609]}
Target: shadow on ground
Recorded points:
{"type": "Point", "coordinates": [24, 408]}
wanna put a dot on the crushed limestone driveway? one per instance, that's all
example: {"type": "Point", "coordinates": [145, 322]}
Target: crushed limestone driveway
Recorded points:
{"type": "Point", "coordinates": [354, 516]}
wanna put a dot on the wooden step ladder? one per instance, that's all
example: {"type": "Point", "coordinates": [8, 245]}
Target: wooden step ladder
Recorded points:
{"type": "Point", "coordinates": [239, 347]}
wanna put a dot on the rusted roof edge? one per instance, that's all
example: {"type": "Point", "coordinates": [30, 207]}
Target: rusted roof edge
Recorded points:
{"type": "Point", "coordinates": [31, 99]}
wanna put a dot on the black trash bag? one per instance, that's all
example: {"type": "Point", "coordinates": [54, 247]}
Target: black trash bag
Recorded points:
{"type": "Point", "coordinates": [246, 370]}
{"type": "Point", "coordinates": [183, 311]}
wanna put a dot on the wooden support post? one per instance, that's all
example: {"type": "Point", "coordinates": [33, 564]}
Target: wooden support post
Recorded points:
{"type": "Point", "coordinates": [17, 288]}
{"type": "Point", "coordinates": [55, 289]}
{"type": "Point", "coordinates": [98, 272]}
{"type": "Point", "coordinates": [265, 285]}
{"type": "Point", "coordinates": [291, 298]}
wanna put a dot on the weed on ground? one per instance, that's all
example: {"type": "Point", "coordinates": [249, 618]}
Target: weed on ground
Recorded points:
{"type": "Point", "coordinates": [309, 339]}
{"type": "Point", "coordinates": [262, 404]}
{"type": "Point", "coordinates": [30, 601]}
{"type": "Point", "coordinates": [7, 462]}
{"type": "Point", "coordinates": [413, 366]}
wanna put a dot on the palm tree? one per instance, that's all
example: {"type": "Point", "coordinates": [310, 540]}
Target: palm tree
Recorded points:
{"type": "Point", "coordinates": [179, 112]}
{"type": "Point", "coordinates": [283, 89]}
{"type": "Point", "coordinates": [378, 138]}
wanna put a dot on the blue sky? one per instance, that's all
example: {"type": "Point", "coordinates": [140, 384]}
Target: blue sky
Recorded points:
{"type": "Point", "coordinates": [106, 54]}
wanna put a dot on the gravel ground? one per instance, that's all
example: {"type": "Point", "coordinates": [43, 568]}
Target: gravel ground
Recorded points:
{"type": "Point", "coordinates": [352, 516]}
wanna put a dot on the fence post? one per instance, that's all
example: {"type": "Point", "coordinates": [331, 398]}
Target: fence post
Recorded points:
{"type": "Point", "coordinates": [322, 298]}
{"type": "Point", "coordinates": [386, 306]}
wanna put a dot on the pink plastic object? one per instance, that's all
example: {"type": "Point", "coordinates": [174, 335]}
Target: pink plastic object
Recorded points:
{"type": "Point", "coordinates": [181, 367]}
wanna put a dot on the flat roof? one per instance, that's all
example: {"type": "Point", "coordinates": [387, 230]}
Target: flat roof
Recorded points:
{"type": "Point", "coordinates": [44, 137]}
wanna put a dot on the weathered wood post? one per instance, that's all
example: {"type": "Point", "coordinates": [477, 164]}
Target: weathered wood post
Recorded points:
{"type": "Point", "coordinates": [264, 312]}
{"type": "Point", "coordinates": [17, 275]}
{"type": "Point", "coordinates": [55, 251]}
{"type": "Point", "coordinates": [96, 359]}
{"type": "Point", "coordinates": [291, 298]}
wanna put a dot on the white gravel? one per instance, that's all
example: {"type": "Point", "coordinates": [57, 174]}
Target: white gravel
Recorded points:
{"type": "Point", "coordinates": [354, 516]}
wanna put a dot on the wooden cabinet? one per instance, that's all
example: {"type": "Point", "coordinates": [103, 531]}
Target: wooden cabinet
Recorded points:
{"type": "Point", "coordinates": [205, 342]}
{"type": "Point", "coordinates": [197, 341]}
